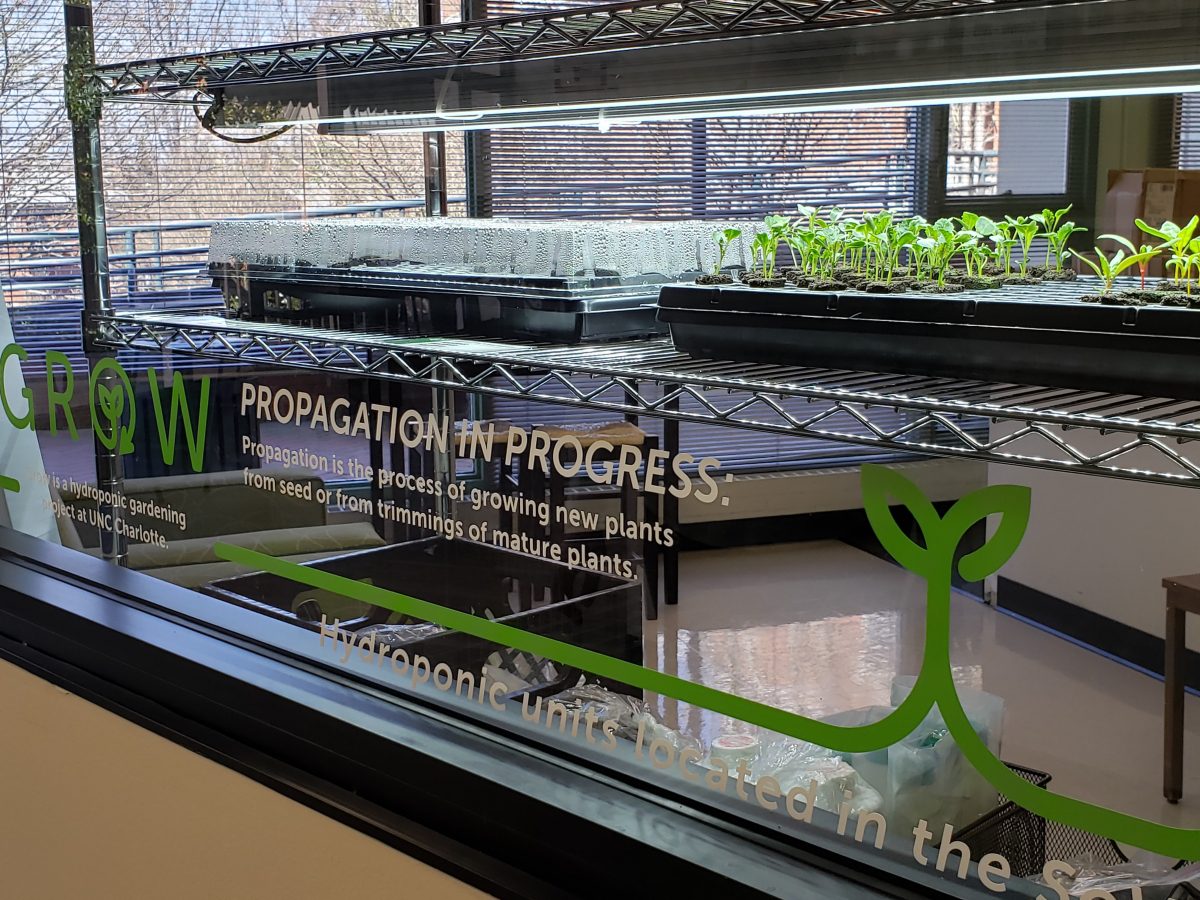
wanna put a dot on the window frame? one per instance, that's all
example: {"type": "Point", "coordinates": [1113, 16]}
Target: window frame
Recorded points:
{"type": "Point", "coordinates": [1083, 134]}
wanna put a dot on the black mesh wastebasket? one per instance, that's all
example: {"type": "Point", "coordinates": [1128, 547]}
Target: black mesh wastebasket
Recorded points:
{"type": "Point", "coordinates": [1027, 840]}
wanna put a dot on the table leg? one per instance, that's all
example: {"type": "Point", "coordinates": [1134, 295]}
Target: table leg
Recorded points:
{"type": "Point", "coordinates": [374, 396]}
{"type": "Point", "coordinates": [671, 506]}
{"type": "Point", "coordinates": [1173, 714]}
{"type": "Point", "coordinates": [651, 552]}
{"type": "Point", "coordinates": [556, 492]}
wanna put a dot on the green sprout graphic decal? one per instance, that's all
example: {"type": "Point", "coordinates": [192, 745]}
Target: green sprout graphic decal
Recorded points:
{"type": "Point", "coordinates": [932, 559]}
{"type": "Point", "coordinates": [108, 386]}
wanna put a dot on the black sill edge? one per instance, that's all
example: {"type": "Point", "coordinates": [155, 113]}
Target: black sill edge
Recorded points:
{"type": "Point", "coordinates": [1107, 635]}
{"type": "Point", "coordinates": [505, 817]}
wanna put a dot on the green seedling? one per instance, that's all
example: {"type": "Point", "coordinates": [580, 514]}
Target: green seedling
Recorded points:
{"type": "Point", "coordinates": [769, 240]}
{"type": "Point", "coordinates": [1193, 261]}
{"type": "Point", "coordinates": [968, 220]}
{"type": "Point", "coordinates": [757, 247]}
{"type": "Point", "coordinates": [1143, 254]}
{"type": "Point", "coordinates": [1004, 243]}
{"type": "Point", "coordinates": [975, 254]}
{"type": "Point", "coordinates": [1049, 219]}
{"type": "Point", "coordinates": [942, 242]}
{"type": "Point", "coordinates": [1184, 262]}
{"type": "Point", "coordinates": [761, 245]}
{"type": "Point", "coordinates": [1108, 268]}
{"type": "Point", "coordinates": [724, 239]}
{"type": "Point", "coordinates": [801, 243]}
{"type": "Point", "coordinates": [1058, 240]}
{"type": "Point", "coordinates": [1177, 238]}
{"type": "Point", "coordinates": [985, 227]}
{"type": "Point", "coordinates": [1024, 230]}
{"type": "Point", "coordinates": [978, 231]}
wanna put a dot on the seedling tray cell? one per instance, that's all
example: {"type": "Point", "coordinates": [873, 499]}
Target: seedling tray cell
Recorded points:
{"type": "Point", "coordinates": [1031, 334]}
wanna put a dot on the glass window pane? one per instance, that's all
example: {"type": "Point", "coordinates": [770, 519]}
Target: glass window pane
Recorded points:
{"type": "Point", "coordinates": [699, 447]}
{"type": "Point", "coordinates": [1008, 147]}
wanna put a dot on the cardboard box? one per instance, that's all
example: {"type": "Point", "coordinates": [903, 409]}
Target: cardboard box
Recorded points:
{"type": "Point", "coordinates": [1153, 195]}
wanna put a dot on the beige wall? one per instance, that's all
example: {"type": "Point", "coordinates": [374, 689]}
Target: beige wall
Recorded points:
{"type": "Point", "coordinates": [1104, 544]}
{"type": "Point", "coordinates": [1134, 134]}
{"type": "Point", "coordinates": [95, 807]}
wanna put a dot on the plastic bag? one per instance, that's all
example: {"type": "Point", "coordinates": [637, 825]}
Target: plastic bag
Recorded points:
{"type": "Point", "coordinates": [872, 766]}
{"type": "Point", "coordinates": [986, 711]}
{"type": "Point", "coordinates": [925, 776]}
{"type": "Point", "coordinates": [396, 635]}
{"type": "Point", "coordinates": [1092, 874]}
{"type": "Point", "coordinates": [800, 763]}
{"type": "Point", "coordinates": [607, 705]}
{"type": "Point", "coordinates": [929, 777]}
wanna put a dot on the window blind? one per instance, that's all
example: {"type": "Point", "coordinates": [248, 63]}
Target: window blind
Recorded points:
{"type": "Point", "coordinates": [729, 167]}
{"type": "Point", "coordinates": [1187, 131]}
{"type": "Point", "coordinates": [715, 168]}
{"type": "Point", "coordinates": [706, 168]}
{"type": "Point", "coordinates": [160, 168]}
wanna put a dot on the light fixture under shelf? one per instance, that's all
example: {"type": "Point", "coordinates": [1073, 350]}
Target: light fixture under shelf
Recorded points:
{"type": "Point", "coordinates": [603, 66]}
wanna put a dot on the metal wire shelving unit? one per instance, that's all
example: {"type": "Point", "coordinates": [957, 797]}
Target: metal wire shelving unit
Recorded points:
{"type": "Point", "coordinates": [1126, 437]}
{"type": "Point", "coordinates": [1089, 432]}
{"type": "Point", "coordinates": [610, 27]}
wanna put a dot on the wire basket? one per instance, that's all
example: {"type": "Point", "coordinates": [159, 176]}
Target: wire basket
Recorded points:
{"type": "Point", "coordinates": [1027, 840]}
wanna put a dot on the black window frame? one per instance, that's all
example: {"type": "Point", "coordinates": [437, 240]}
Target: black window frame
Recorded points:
{"type": "Point", "coordinates": [1083, 139]}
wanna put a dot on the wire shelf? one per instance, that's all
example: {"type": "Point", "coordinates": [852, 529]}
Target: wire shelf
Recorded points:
{"type": "Point", "coordinates": [1090, 432]}
{"type": "Point", "coordinates": [587, 29]}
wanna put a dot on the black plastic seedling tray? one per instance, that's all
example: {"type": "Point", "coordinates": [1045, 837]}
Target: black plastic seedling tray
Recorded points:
{"type": "Point", "coordinates": [588, 609]}
{"type": "Point", "coordinates": [565, 309]}
{"type": "Point", "coordinates": [1029, 334]}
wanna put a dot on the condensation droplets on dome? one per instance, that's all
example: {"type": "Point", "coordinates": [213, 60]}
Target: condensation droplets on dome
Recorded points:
{"type": "Point", "coordinates": [522, 247]}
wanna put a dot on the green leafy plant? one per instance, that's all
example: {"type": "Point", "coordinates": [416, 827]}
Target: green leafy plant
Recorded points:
{"type": "Point", "coordinates": [1176, 238]}
{"type": "Point", "coordinates": [826, 244]}
{"type": "Point", "coordinates": [1108, 268]}
{"type": "Point", "coordinates": [757, 251]}
{"type": "Point", "coordinates": [1049, 219]}
{"type": "Point", "coordinates": [942, 242]}
{"type": "Point", "coordinates": [1058, 240]}
{"type": "Point", "coordinates": [768, 242]}
{"type": "Point", "coordinates": [1004, 241]}
{"type": "Point", "coordinates": [1184, 262]}
{"type": "Point", "coordinates": [724, 238]}
{"type": "Point", "coordinates": [1023, 230]}
{"type": "Point", "coordinates": [1143, 254]}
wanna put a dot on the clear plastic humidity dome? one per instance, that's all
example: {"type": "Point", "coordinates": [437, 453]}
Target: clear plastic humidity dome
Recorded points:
{"type": "Point", "coordinates": [631, 251]}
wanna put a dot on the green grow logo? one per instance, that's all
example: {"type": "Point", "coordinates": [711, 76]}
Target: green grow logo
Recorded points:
{"type": "Point", "coordinates": [111, 405]}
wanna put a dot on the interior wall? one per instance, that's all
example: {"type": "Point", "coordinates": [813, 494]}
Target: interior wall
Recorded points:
{"type": "Point", "coordinates": [1105, 545]}
{"type": "Point", "coordinates": [1102, 544]}
{"type": "Point", "coordinates": [1134, 133]}
{"type": "Point", "coordinates": [97, 807]}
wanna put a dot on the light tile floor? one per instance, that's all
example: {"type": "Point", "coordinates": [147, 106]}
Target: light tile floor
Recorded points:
{"type": "Point", "coordinates": [821, 627]}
